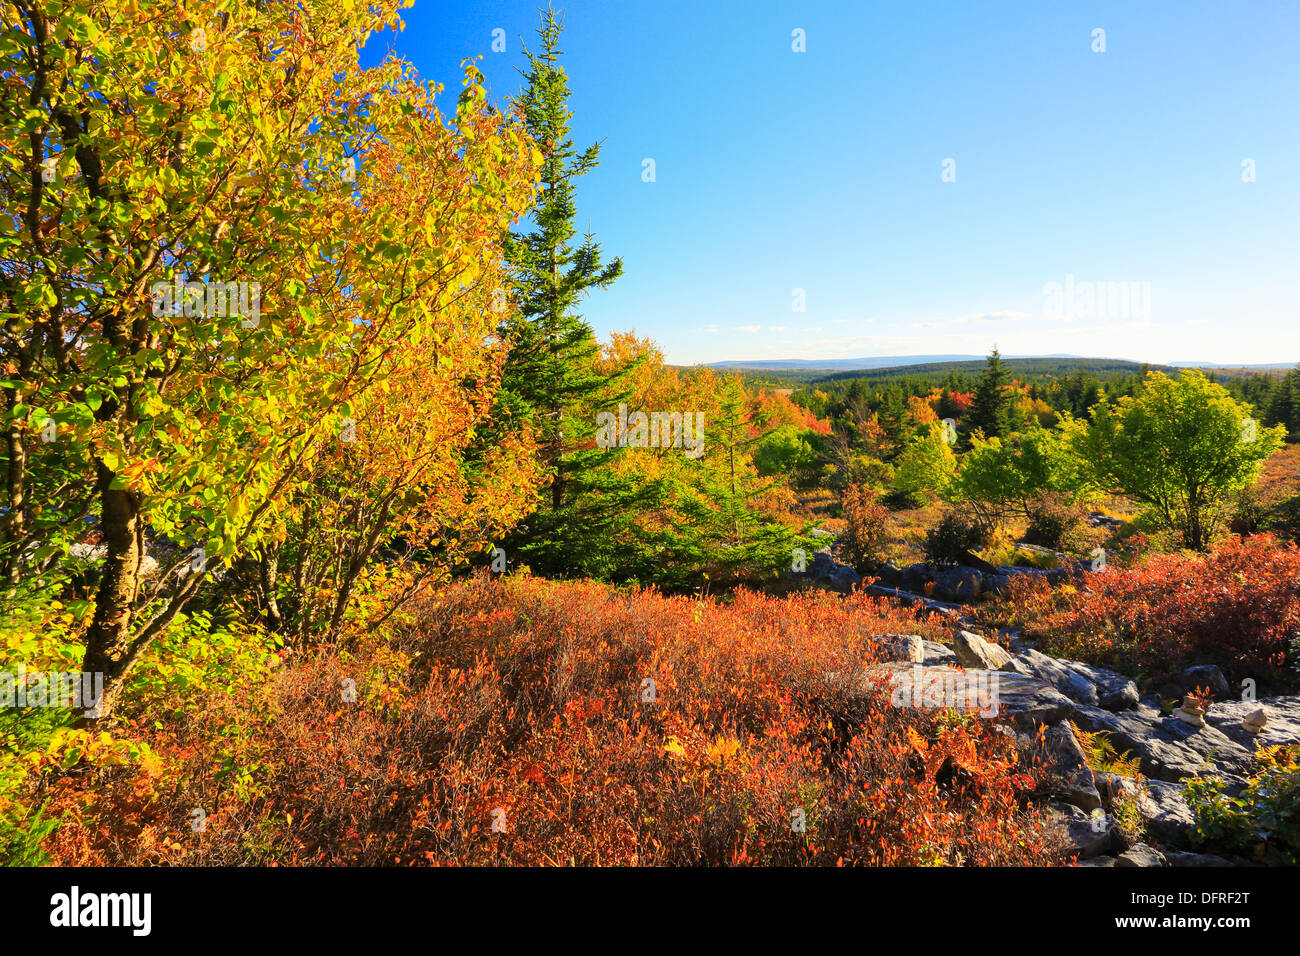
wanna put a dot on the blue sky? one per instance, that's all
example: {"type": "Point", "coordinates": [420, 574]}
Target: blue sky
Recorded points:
{"type": "Point", "coordinates": [822, 171]}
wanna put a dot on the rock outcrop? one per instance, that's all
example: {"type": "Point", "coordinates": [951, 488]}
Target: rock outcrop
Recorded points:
{"type": "Point", "coordinates": [1057, 751]}
{"type": "Point", "coordinates": [1140, 855]}
{"type": "Point", "coordinates": [1035, 698]}
{"type": "Point", "coordinates": [1177, 686]}
{"type": "Point", "coordinates": [973, 651]}
{"type": "Point", "coordinates": [826, 572]}
{"type": "Point", "coordinates": [1086, 834]}
{"type": "Point", "coordinates": [1165, 813]}
{"type": "Point", "coordinates": [1282, 726]}
{"type": "Point", "coordinates": [926, 605]}
{"type": "Point", "coordinates": [1168, 748]}
{"type": "Point", "coordinates": [1082, 683]}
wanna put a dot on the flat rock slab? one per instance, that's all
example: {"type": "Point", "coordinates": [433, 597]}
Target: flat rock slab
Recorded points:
{"type": "Point", "coordinates": [1168, 818]}
{"type": "Point", "coordinates": [1059, 675]}
{"type": "Point", "coordinates": [928, 605]}
{"type": "Point", "coordinates": [1082, 683]}
{"type": "Point", "coordinates": [1283, 725]}
{"type": "Point", "coordinates": [1086, 834]}
{"type": "Point", "coordinates": [1002, 694]}
{"type": "Point", "coordinates": [1170, 749]}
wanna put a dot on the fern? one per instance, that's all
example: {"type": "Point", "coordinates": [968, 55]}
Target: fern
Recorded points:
{"type": "Point", "coordinates": [1101, 756]}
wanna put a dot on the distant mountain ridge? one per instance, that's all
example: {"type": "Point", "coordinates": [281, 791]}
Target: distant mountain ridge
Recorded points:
{"type": "Point", "coordinates": [856, 364]}
{"type": "Point", "coordinates": [1272, 366]}
{"type": "Point", "coordinates": [900, 361]}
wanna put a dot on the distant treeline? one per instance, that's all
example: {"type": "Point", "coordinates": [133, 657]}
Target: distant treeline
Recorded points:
{"type": "Point", "coordinates": [1070, 386]}
{"type": "Point", "coordinates": [1276, 398]}
{"type": "Point", "coordinates": [1062, 386]}
{"type": "Point", "coordinates": [1024, 369]}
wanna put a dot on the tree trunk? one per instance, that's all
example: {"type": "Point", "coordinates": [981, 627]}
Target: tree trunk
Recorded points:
{"type": "Point", "coordinates": [557, 485]}
{"type": "Point", "coordinates": [268, 570]}
{"type": "Point", "coordinates": [341, 602]}
{"type": "Point", "coordinates": [15, 530]}
{"type": "Point", "coordinates": [109, 647]}
{"type": "Point", "coordinates": [1195, 524]}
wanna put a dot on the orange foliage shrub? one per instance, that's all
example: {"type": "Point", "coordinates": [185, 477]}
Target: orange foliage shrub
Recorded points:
{"type": "Point", "coordinates": [1238, 607]}
{"type": "Point", "coordinates": [772, 409]}
{"type": "Point", "coordinates": [921, 410]}
{"type": "Point", "coordinates": [591, 726]}
{"type": "Point", "coordinates": [868, 528]}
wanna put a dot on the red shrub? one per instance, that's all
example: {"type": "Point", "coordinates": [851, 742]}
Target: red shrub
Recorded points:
{"type": "Point", "coordinates": [1238, 607]}
{"type": "Point", "coordinates": [527, 703]}
{"type": "Point", "coordinates": [867, 529]}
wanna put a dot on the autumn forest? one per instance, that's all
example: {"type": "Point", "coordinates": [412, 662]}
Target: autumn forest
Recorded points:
{"type": "Point", "coordinates": [333, 534]}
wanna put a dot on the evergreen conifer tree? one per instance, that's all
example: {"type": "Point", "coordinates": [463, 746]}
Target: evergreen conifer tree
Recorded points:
{"type": "Point", "coordinates": [551, 377]}
{"type": "Point", "coordinates": [988, 410]}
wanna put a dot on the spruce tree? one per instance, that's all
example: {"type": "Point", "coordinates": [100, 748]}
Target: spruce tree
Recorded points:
{"type": "Point", "coordinates": [551, 378]}
{"type": "Point", "coordinates": [988, 410]}
{"type": "Point", "coordinates": [1292, 386]}
{"type": "Point", "coordinates": [720, 536]}
{"type": "Point", "coordinates": [552, 350]}
{"type": "Point", "coordinates": [1283, 406]}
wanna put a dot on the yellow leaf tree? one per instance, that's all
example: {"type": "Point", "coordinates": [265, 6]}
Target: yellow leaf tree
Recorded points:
{"type": "Point", "coordinates": [224, 231]}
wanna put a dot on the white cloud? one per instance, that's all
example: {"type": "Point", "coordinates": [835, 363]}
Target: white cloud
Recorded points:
{"type": "Point", "coordinates": [1006, 315]}
{"type": "Point", "coordinates": [981, 318]}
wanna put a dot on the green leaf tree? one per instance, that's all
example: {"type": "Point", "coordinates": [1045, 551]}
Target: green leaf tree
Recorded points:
{"type": "Point", "coordinates": [1181, 446]}
{"type": "Point", "coordinates": [998, 477]}
{"type": "Point", "coordinates": [926, 465]}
